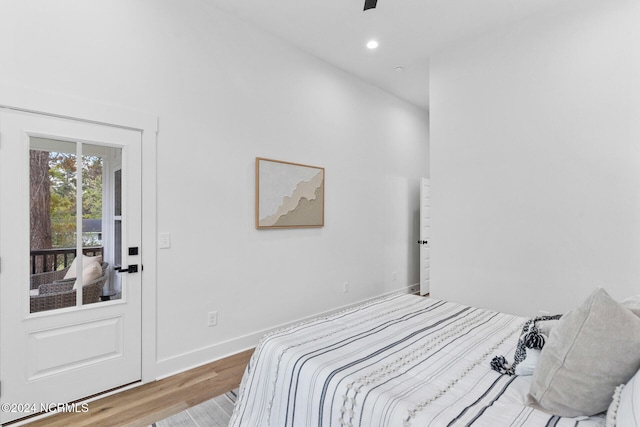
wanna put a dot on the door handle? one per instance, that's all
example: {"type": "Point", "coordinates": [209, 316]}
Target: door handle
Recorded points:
{"type": "Point", "coordinates": [423, 242]}
{"type": "Point", "coordinates": [130, 269]}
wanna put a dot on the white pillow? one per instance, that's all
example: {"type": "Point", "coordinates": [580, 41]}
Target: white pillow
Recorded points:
{"type": "Point", "coordinates": [612, 412]}
{"type": "Point", "coordinates": [629, 406]}
{"type": "Point", "coordinates": [90, 273]}
{"type": "Point", "coordinates": [86, 260]}
{"type": "Point", "coordinates": [633, 304]}
{"type": "Point", "coordinates": [528, 365]}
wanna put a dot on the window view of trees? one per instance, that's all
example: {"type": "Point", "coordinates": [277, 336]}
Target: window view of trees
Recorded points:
{"type": "Point", "coordinates": [40, 200]}
{"type": "Point", "coordinates": [53, 199]}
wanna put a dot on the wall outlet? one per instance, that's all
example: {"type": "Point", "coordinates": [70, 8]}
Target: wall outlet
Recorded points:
{"type": "Point", "coordinates": [345, 287]}
{"type": "Point", "coordinates": [394, 276]}
{"type": "Point", "coordinates": [212, 318]}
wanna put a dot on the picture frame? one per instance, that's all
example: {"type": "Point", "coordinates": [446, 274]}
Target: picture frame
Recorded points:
{"type": "Point", "coordinates": [289, 195]}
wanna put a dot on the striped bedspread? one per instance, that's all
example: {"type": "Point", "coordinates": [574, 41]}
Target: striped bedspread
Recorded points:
{"type": "Point", "coordinates": [402, 360]}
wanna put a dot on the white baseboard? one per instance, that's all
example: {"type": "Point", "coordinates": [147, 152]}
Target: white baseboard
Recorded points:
{"type": "Point", "coordinates": [185, 361]}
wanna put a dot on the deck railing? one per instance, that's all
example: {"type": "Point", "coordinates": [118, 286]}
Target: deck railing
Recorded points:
{"type": "Point", "coordinates": [43, 260]}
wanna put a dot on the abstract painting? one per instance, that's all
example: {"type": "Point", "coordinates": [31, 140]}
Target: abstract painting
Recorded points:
{"type": "Point", "coordinates": [288, 194]}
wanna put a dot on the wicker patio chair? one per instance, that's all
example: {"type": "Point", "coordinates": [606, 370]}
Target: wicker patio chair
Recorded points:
{"type": "Point", "coordinates": [48, 277]}
{"type": "Point", "coordinates": [60, 294]}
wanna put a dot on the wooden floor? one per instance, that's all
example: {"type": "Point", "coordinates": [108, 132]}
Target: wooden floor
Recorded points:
{"type": "Point", "coordinates": [154, 401]}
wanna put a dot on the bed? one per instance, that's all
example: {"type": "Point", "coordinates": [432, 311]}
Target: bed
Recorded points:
{"type": "Point", "coordinates": [402, 360]}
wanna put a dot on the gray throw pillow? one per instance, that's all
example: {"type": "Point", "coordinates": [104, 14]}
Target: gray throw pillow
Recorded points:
{"type": "Point", "coordinates": [591, 350]}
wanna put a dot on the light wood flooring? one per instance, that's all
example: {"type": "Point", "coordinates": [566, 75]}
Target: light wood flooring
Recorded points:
{"type": "Point", "coordinates": [148, 403]}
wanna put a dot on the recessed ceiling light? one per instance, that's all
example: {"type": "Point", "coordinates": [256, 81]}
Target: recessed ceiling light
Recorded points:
{"type": "Point", "coordinates": [372, 44]}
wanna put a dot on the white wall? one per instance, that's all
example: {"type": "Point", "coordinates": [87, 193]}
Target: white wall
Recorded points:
{"type": "Point", "coordinates": [226, 93]}
{"type": "Point", "coordinates": [535, 160]}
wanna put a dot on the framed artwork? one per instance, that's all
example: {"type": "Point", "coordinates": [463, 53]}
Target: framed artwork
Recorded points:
{"type": "Point", "coordinates": [288, 195]}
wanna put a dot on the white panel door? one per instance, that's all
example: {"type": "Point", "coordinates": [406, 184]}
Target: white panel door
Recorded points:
{"type": "Point", "coordinates": [51, 350]}
{"type": "Point", "coordinates": [425, 234]}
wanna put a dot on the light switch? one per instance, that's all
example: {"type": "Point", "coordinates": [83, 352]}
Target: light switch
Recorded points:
{"type": "Point", "coordinates": [164, 240]}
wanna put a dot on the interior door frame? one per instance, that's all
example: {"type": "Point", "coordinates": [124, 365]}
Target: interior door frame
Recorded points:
{"type": "Point", "coordinates": [63, 106]}
{"type": "Point", "coordinates": [425, 240]}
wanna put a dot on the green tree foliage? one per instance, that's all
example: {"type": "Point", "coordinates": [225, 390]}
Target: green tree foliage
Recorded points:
{"type": "Point", "coordinates": [63, 175]}
{"type": "Point", "coordinates": [92, 188]}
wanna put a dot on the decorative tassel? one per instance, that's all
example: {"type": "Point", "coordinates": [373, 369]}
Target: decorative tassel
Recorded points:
{"type": "Point", "coordinates": [500, 364]}
{"type": "Point", "coordinates": [530, 338]}
{"type": "Point", "coordinates": [534, 339]}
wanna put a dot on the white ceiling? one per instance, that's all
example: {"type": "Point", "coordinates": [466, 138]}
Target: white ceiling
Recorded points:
{"type": "Point", "coordinates": [409, 31]}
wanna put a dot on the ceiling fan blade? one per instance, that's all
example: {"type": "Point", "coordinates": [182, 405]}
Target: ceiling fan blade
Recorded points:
{"type": "Point", "coordinates": [370, 4]}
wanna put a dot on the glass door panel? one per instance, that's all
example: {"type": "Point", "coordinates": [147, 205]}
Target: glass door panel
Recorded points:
{"type": "Point", "coordinates": [63, 201]}
{"type": "Point", "coordinates": [116, 290]}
